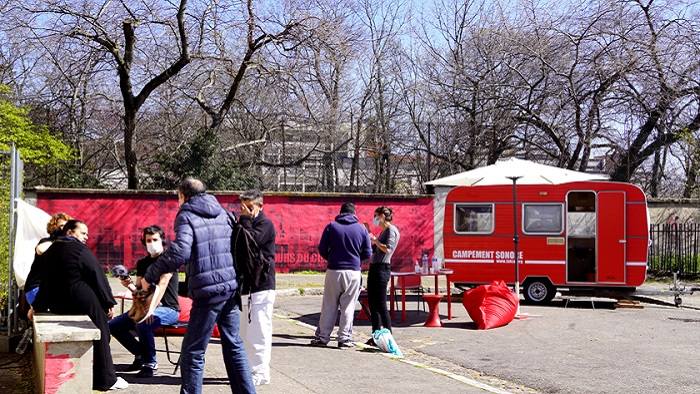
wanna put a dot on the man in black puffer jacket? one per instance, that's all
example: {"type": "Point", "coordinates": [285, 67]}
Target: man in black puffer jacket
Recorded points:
{"type": "Point", "coordinates": [203, 243]}
{"type": "Point", "coordinates": [256, 326]}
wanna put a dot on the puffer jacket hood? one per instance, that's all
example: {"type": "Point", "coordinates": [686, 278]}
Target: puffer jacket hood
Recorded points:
{"type": "Point", "coordinates": [203, 243]}
{"type": "Point", "coordinates": [203, 205]}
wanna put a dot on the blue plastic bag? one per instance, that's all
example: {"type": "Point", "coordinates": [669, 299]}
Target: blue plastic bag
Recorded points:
{"type": "Point", "coordinates": [31, 295]}
{"type": "Point", "coordinates": [386, 343]}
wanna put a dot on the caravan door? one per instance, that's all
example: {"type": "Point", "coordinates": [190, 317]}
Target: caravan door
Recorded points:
{"type": "Point", "coordinates": [611, 236]}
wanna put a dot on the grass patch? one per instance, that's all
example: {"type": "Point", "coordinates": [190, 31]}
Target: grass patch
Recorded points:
{"type": "Point", "coordinates": [687, 264]}
{"type": "Point", "coordinates": [659, 279]}
{"type": "Point", "coordinates": [307, 272]}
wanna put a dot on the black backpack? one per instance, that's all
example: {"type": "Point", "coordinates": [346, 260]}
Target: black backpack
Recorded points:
{"type": "Point", "coordinates": [251, 267]}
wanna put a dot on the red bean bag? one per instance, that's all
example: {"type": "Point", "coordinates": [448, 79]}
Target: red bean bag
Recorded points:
{"type": "Point", "coordinates": [491, 306]}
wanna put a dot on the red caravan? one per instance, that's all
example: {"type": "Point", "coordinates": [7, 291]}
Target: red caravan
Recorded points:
{"type": "Point", "coordinates": [581, 234]}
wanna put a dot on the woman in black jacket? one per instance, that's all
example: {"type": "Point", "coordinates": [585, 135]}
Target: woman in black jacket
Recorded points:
{"type": "Point", "coordinates": [31, 286]}
{"type": "Point", "coordinates": [75, 284]}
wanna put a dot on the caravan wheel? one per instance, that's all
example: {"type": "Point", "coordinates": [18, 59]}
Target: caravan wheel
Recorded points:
{"type": "Point", "coordinates": [539, 290]}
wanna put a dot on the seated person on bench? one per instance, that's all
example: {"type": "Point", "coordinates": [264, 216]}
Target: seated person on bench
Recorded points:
{"type": "Point", "coordinates": [166, 313]}
{"type": "Point", "coordinates": [75, 284]}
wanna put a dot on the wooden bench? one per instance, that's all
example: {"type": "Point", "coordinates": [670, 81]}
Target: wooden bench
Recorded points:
{"type": "Point", "coordinates": [63, 353]}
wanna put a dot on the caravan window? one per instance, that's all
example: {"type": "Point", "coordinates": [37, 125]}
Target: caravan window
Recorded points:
{"type": "Point", "coordinates": [543, 218]}
{"type": "Point", "coordinates": [581, 216]}
{"type": "Point", "coordinates": [473, 218]}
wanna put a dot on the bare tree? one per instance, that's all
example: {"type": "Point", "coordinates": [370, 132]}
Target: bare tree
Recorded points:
{"type": "Point", "coordinates": [384, 22]}
{"type": "Point", "coordinates": [93, 24]}
{"type": "Point", "coordinates": [664, 84]}
{"type": "Point", "coordinates": [323, 64]}
{"type": "Point", "coordinates": [690, 161]}
{"type": "Point", "coordinates": [342, 95]}
{"type": "Point", "coordinates": [467, 82]}
{"type": "Point", "coordinates": [256, 38]}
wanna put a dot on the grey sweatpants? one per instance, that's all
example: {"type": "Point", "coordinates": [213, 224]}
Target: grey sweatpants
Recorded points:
{"type": "Point", "coordinates": [341, 289]}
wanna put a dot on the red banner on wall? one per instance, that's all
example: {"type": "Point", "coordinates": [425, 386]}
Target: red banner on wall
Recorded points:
{"type": "Point", "coordinates": [115, 221]}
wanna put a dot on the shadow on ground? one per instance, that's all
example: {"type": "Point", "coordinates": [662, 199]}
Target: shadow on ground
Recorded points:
{"type": "Point", "coordinates": [413, 318]}
{"type": "Point", "coordinates": [170, 380]}
{"type": "Point", "coordinates": [13, 373]}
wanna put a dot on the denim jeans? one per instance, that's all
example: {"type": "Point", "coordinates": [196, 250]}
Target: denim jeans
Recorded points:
{"type": "Point", "coordinates": [144, 348]}
{"type": "Point", "coordinates": [202, 318]}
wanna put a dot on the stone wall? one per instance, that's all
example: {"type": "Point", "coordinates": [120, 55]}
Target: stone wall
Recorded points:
{"type": "Point", "coordinates": [661, 210]}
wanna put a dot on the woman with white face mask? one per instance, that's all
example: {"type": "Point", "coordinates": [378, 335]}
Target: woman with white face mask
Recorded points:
{"type": "Point", "coordinates": [383, 247]}
{"type": "Point", "coordinates": [167, 312]}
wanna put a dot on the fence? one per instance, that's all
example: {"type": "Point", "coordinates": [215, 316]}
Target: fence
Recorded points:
{"type": "Point", "coordinates": [675, 248]}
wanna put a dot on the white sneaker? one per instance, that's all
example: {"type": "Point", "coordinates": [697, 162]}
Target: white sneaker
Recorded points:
{"type": "Point", "coordinates": [119, 384]}
{"type": "Point", "coordinates": [259, 380]}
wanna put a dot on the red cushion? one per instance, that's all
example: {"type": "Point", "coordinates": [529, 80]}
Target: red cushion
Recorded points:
{"type": "Point", "coordinates": [491, 306]}
{"type": "Point", "coordinates": [174, 331]}
{"type": "Point", "coordinates": [185, 308]}
{"type": "Point", "coordinates": [184, 317]}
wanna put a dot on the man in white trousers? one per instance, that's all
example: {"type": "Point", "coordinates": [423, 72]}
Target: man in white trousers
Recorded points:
{"type": "Point", "coordinates": [258, 299]}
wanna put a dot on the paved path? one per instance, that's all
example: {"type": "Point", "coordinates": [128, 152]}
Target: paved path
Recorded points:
{"type": "Point", "coordinates": [559, 350]}
{"type": "Point", "coordinates": [572, 350]}
{"type": "Point", "coordinates": [299, 368]}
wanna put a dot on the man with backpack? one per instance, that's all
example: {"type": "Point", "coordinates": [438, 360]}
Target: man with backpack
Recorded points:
{"type": "Point", "coordinates": [203, 242]}
{"type": "Point", "coordinates": [258, 289]}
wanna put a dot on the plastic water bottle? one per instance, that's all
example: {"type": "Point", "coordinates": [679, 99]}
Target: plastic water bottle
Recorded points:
{"type": "Point", "coordinates": [416, 268]}
{"type": "Point", "coordinates": [435, 265]}
{"type": "Point", "coordinates": [424, 263]}
{"type": "Point", "coordinates": [24, 342]}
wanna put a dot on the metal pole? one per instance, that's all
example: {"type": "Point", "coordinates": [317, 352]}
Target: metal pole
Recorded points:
{"type": "Point", "coordinates": [18, 168]}
{"type": "Point", "coordinates": [430, 154]}
{"type": "Point", "coordinates": [284, 158]}
{"type": "Point", "coordinates": [11, 225]}
{"type": "Point", "coordinates": [516, 240]}
{"type": "Point", "coordinates": [9, 247]}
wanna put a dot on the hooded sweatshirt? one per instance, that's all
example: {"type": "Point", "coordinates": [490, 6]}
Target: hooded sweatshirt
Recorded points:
{"type": "Point", "coordinates": [345, 243]}
{"type": "Point", "coordinates": [203, 242]}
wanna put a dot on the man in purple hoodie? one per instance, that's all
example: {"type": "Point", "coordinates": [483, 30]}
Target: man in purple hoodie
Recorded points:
{"type": "Point", "coordinates": [344, 244]}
